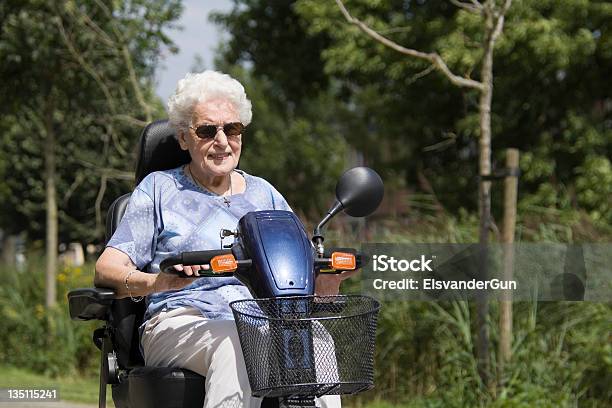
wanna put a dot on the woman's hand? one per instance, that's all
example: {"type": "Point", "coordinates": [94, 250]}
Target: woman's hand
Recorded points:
{"type": "Point", "coordinates": [328, 284]}
{"type": "Point", "coordinates": [191, 270]}
{"type": "Point", "coordinates": [169, 281]}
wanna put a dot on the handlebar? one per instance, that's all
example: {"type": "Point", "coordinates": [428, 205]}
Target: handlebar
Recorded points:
{"type": "Point", "coordinates": [323, 264]}
{"type": "Point", "coordinates": [200, 258]}
{"type": "Point", "coordinates": [326, 263]}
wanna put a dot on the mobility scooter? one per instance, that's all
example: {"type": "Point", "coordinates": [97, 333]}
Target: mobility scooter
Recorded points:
{"type": "Point", "coordinates": [296, 346]}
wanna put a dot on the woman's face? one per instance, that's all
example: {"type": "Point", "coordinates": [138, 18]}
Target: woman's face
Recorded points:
{"type": "Point", "coordinates": [218, 156]}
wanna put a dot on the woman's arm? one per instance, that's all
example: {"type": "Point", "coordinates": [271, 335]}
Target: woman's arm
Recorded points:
{"type": "Point", "coordinates": [113, 267]}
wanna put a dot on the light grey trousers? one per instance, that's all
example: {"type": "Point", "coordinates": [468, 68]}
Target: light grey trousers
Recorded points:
{"type": "Point", "coordinates": [184, 338]}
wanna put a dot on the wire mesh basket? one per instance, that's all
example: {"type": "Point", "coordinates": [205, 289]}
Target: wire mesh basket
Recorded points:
{"type": "Point", "coordinates": [307, 346]}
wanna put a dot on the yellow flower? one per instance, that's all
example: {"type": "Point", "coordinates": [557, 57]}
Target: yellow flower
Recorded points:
{"type": "Point", "coordinates": [11, 313]}
{"type": "Point", "coordinates": [39, 310]}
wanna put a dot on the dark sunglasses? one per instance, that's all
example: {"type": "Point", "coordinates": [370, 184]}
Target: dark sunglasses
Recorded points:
{"type": "Point", "coordinates": [209, 131]}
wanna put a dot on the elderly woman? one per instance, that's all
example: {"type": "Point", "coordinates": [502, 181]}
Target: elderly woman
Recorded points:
{"type": "Point", "coordinates": [188, 322]}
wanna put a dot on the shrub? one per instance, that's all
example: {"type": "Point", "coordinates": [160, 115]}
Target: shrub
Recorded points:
{"type": "Point", "coordinates": [44, 340]}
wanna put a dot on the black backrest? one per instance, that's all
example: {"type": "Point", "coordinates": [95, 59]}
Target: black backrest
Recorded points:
{"type": "Point", "coordinates": [115, 213]}
{"type": "Point", "coordinates": [125, 315]}
{"type": "Point", "coordinates": [158, 149]}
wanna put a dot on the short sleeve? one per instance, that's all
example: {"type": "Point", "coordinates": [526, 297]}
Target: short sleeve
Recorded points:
{"type": "Point", "coordinates": [278, 201]}
{"type": "Point", "coordinates": [135, 235]}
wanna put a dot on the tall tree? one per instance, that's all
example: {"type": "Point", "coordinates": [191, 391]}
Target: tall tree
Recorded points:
{"type": "Point", "coordinates": [492, 19]}
{"type": "Point", "coordinates": [78, 76]}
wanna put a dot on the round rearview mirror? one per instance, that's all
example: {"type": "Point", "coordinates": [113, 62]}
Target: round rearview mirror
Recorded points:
{"type": "Point", "coordinates": [360, 191]}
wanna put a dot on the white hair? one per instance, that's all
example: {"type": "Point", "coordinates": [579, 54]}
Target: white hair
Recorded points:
{"type": "Point", "coordinates": [203, 87]}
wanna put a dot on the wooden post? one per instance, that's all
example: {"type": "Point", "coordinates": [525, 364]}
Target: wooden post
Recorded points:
{"type": "Point", "coordinates": [509, 226]}
{"type": "Point", "coordinates": [51, 208]}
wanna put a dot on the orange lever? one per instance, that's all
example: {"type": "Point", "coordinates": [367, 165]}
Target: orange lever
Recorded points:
{"type": "Point", "coordinates": [343, 260]}
{"type": "Point", "coordinates": [223, 263]}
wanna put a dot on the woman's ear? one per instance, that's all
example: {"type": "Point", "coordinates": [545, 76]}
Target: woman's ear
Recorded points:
{"type": "Point", "coordinates": [182, 139]}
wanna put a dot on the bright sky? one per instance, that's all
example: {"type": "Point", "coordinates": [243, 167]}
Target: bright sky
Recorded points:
{"type": "Point", "coordinates": [199, 36]}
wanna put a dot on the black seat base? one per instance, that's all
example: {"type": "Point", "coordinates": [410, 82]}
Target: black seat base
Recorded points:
{"type": "Point", "coordinates": [164, 387]}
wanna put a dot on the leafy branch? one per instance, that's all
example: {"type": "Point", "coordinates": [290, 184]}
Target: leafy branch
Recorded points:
{"type": "Point", "coordinates": [434, 58]}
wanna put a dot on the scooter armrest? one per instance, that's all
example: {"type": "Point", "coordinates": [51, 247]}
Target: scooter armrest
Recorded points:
{"type": "Point", "coordinates": [90, 303]}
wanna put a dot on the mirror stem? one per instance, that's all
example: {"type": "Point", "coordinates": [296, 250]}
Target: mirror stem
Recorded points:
{"type": "Point", "coordinates": [317, 238]}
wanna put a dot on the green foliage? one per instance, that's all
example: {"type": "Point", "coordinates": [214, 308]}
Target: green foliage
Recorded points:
{"type": "Point", "coordinates": [561, 356]}
{"type": "Point", "coordinates": [273, 35]}
{"type": "Point", "coordinates": [44, 340]}
{"type": "Point", "coordinates": [551, 97]}
{"type": "Point", "coordinates": [425, 350]}
{"type": "Point", "coordinates": [301, 154]}
{"type": "Point", "coordinates": [594, 187]}
{"type": "Point", "coordinates": [82, 71]}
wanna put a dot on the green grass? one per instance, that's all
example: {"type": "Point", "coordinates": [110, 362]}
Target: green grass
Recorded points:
{"type": "Point", "coordinates": [77, 389]}
{"type": "Point", "coordinates": [85, 390]}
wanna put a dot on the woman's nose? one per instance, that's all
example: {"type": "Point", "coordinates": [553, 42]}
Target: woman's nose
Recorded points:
{"type": "Point", "coordinates": [220, 138]}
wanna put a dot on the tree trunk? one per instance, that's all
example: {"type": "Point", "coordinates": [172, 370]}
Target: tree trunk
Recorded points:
{"type": "Point", "coordinates": [9, 250]}
{"type": "Point", "coordinates": [51, 209]}
{"type": "Point", "coordinates": [505, 307]}
{"type": "Point", "coordinates": [484, 200]}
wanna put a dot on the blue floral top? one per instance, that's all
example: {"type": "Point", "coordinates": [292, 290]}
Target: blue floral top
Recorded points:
{"type": "Point", "coordinates": [168, 214]}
